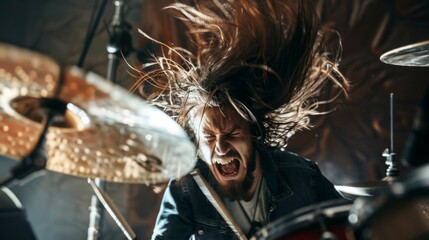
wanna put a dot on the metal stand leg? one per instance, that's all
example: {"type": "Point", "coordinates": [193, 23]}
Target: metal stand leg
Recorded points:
{"type": "Point", "coordinates": [95, 214]}
{"type": "Point", "coordinates": [119, 45]}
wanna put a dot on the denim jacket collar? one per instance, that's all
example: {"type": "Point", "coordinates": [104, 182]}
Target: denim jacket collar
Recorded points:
{"type": "Point", "coordinates": [277, 186]}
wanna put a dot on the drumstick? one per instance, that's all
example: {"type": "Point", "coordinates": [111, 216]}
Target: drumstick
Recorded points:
{"type": "Point", "coordinates": [215, 200]}
{"type": "Point", "coordinates": [113, 211]}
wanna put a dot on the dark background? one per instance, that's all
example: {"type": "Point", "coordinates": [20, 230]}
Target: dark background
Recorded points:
{"type": "Point", "coordinates": [348, 143]}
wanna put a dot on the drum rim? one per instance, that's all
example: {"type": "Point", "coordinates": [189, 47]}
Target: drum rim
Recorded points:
{"type": "Point", "coordinates": [304, 216]}
{"type": "Point", "coordinates": [376, 206]}
{"type": "Point", "coordinates": [413, 184]}
{"type": "Point", "coordinates": [12, 198]}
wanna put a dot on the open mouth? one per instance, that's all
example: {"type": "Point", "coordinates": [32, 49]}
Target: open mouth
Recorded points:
{"type": "Point", "coordinates": [228, 168]}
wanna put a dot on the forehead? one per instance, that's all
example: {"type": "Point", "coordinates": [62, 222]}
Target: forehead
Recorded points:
{"type": "Point", "coordinates": [222, 118]}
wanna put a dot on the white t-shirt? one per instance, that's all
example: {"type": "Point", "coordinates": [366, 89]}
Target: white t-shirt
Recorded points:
{"type": "Point", "coordinates": [245, 214]}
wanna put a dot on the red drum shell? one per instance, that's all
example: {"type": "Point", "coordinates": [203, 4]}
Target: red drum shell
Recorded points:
{"type": "Point", "coordinates": [310, 223]}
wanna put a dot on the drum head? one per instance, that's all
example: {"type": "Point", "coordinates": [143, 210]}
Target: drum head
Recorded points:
{"type": "Point", "coordinates": [310, 222]}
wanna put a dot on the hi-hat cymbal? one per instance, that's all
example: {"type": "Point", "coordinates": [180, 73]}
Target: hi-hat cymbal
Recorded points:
{"type": "Point", "coordinates": [106, 132]}
{"type": "Point", "coordinates": [414, 55]}
{"type": "Point", "coordinates": [364, 189]}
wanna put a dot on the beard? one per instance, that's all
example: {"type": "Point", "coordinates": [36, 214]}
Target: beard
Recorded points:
{"type": "Point", "coordinates": [239, 190]}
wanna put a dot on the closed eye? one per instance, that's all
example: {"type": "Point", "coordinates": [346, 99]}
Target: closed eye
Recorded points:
{"type": "Point", "coordinates": [236, 133]}
{"type": "Point", "coordinates": [208, 136]}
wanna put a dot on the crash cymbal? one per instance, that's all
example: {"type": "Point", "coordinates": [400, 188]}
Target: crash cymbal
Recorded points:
{"type": "Point", "coordinates": [414, 55]}
{"type": "Point", "coordinates": [106, 132]}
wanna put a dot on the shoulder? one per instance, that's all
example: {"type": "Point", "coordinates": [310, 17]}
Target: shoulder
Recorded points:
{"type": "Point", "coordinates": [290, 160]}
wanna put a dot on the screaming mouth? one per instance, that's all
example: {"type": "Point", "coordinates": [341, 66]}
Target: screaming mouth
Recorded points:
{"type": "Point", "coordinates": [229, 168]}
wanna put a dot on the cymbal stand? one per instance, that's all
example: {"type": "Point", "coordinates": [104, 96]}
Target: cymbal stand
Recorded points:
{"type": "Point", "coordinates": [94, 209]}
{"type": "Point", "coordinates": [91, 32]}
{"type": "Point", "coordinates": [120, 40]}
{"type": "Point", "coordinates": [119, 45]}
{"type": "Point", "coordinates": [113, 211]}
{"type": "Point", "coordinates": [35, 161]}
{"type": "Point", "coordinates": [392, 170]}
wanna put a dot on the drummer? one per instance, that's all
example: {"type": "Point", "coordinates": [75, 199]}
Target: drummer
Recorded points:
{"type": "Point", "coordinates": [250, 85]}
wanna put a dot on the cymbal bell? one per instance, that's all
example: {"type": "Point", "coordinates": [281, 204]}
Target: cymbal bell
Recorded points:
{"type": "Point", "coordinates": [106, 132]}
{"type": "Point", "coordinates": [414, 55]}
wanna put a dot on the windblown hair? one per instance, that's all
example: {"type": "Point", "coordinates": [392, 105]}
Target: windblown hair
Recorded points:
{"type": "Point", "coordinates": [264, 56]}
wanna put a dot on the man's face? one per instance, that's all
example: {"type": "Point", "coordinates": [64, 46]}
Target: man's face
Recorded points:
{"type": "Point", "coordinates": [225, 144]}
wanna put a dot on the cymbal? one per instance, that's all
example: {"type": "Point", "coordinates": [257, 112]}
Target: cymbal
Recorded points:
{"type": "Point", "coordinates": [106, 132]}
{"type": "Point", "coordinates": [364, 189]}
{"type": "Point", "coordinates": [414, 55]}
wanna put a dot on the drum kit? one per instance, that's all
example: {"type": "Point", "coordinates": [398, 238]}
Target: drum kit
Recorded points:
{"type": "Point", "coordinates": [71, 121]}
{"type": "Point", "coordinates": [397, 212]}
{"type": "Point", "coordinates": [395, 208]}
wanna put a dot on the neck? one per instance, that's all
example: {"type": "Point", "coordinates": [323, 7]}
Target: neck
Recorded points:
{"type": "Point", "coordinates": [257, 175]}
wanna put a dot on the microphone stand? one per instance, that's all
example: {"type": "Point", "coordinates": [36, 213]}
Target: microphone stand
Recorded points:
{"type": "Point", "coordinates": [119, 46]}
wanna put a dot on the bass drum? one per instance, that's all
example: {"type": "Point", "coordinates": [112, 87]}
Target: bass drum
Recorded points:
{"type": "Point", "coordinates": [400, 213]}
{"type": "Point", "coordinates": [326, 220]}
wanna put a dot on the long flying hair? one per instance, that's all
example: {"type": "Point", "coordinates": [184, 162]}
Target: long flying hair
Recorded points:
{"type": "Point", "coordinates": [267, 58]}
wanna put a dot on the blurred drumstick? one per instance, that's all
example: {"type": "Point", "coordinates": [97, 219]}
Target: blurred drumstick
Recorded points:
{"type": "Point", "coordinates": [113, 211]}
{"type": "Point", "coordinates": [217, 203]}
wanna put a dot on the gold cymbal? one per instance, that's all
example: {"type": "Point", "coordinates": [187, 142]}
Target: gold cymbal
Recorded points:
{"type": "Point", "coordinates": [106, 132]}
{"type": "Point", "coordinates": [414, 55]}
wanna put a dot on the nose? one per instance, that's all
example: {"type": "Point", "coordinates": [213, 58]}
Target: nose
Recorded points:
{"type": "Point", "coordinates": [221, 145]}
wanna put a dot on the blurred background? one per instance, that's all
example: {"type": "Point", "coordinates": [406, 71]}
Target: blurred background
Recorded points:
{"type": "Point", "coordinates": [348, 143]}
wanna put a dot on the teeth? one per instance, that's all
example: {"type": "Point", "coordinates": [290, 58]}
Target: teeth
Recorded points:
{"type": "Point", "coordinates": [224, 161]}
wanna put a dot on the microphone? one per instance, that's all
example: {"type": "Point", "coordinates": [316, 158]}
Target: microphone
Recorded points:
{"type": "Point", "coordinates": [416, 151]}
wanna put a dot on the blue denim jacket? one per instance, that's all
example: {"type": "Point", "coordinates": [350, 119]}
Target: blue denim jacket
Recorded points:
{"type": "Point", "coordinates": [292, 181]}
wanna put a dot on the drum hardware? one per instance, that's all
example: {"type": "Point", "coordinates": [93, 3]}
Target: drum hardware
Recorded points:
{"type": "Point", "coordinates": [370, 189]}
{"type": "Point", "coordinates": [417, 55]}
{"type": "Point", "coordinates": [47, 108]}
{"type": "Point", "coordinates": [392, 171]}
{"type": "Point", "coordinates": [325, 220]}
{"type": "Point", "coordinates": [119, 45]}
{"type": "Point", "coordinates": [91, 32]}
{"type": "Point", "coordinates": [413, 55]}
{"type": "Point", "coordinates": [113, 211]}
{"type": "Point", "coordinates": [401, 213]}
